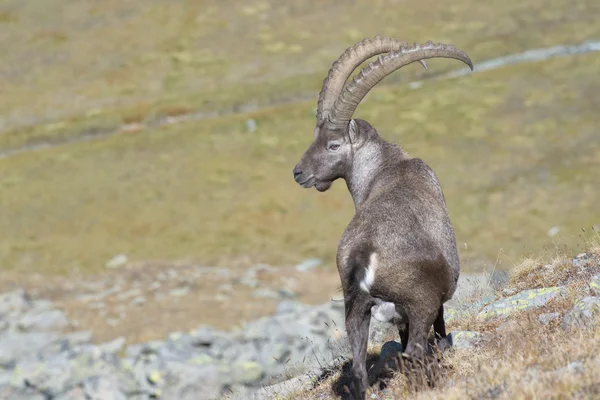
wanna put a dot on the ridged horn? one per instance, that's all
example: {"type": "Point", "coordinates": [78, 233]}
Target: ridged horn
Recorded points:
{"type": "Point", "coordinates": [341, 69]}
{"type": "Point", "coordinates": [369, 76]}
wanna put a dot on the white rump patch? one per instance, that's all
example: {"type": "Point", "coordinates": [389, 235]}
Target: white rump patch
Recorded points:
{"type": "Point", "coordinates": [369, 278]}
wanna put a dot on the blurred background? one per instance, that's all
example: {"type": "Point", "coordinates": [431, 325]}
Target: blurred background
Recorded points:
{"type": "Point", "coordinates": [142, 140]}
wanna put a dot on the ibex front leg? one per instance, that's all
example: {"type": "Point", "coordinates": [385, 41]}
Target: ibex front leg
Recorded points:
{"type": "Point", "coordinates": [358, 318]}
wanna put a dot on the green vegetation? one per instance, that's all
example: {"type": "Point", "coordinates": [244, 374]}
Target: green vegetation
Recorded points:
{"type": "Point", "coordinates": [516, 149]}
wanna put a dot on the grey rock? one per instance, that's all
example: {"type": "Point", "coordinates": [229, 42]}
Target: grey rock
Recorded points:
{"type": "Point", "coordinates": [246, 372]}
{"type": "Point", "coordinates": [114, 346]}
{"type": "Point", "coordinates": [204, 336]}
{"type": "Point", "coordinates": [380, 332]}
{"type": "Point", "coordinates": [50, 378]}
{"type": "Point", "coordinates": [77, 338]}
{"type": "Point", "coordinates": [117, 261]}
{"type": "Point", "coordinates": [265, 293]}
{"type": "Point", "coordinates": [185, 380]}
{"type": "Point", "coordinates": [76, 393]}
{"type": "Point", "coordinates": [102, 388]}
{"type": "Point", "coordinates": [139, 301]}
{"type": "Point", "coordinates": [308, 264]}
{"type": "Point", "coordinates": [522, 301]}
{"type": "Point", "coordinates": [98, 305]}
{"type": "Point", "coordinates": [546, 318]}
{"type": "Point", "coordinates": [35, 320]}
{"type": "Point", "coordinates": [12, 393]}
{"type": "Point", "coordinates": [287, 293]}
{"type": "Point", "coordinates": [585, 314]}
{"type": "Point", "coordinates": [251, 125]}
{"type": "Point", "coordinates": [464, 339]}
{"type": "Point", "coordinates": [583, 260]}
{"type": "Point", "coordinates": [129, 294]}
{"type": "Point", "coordinates": [594, 285]}
{"type": "Point", "coordinates": [15, 345]}
{"type": "Point", "coordinates": [390, 349]}
{"type": "Point", "coordinates": [14, 301]}
{"type": "Point", "coordinates": [288, 306]}
{"type": "Point", "coordinates": [576, 367]}
{"type": "Point", "coordinates": [100, 295]}
{"type": "Point", "coordinates": [249, 278]}
{"type": "Point", "coordinates": [180, 292]}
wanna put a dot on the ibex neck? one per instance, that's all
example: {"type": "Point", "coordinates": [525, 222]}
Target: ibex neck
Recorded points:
{"type": "Point", "coordinates": [368, 166]}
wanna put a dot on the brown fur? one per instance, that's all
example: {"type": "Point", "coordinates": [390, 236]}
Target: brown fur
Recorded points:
{"type": "Point", "coordinates": [401, 216]}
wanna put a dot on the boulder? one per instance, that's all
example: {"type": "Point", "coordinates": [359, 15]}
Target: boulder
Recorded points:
{"type": "Point", "coordinates": [522, 301]}
{"type": "Point", "coordinates": [585, 314]}
{"type": "Point", "coordinates": [463, 339]}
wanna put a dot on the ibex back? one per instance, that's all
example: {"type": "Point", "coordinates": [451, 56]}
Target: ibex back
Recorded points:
{"type": "Point", "coordinates": [397, 259]}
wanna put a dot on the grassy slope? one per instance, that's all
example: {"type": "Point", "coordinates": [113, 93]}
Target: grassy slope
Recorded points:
{"type": "Point", "coordinates": [514, 148]}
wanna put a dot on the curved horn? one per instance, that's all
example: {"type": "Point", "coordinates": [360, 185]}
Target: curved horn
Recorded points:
{"type": "Point", "coordinates": [346, 63]}
{"type": "Point", "coordinates": [369, 76]}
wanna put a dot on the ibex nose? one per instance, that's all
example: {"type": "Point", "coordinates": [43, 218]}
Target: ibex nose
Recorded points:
{"type": "Point", "coordinates": [297, 173]}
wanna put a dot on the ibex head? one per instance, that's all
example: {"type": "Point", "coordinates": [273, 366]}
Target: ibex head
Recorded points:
{"type": "Point", "coordinates": [338, 139]}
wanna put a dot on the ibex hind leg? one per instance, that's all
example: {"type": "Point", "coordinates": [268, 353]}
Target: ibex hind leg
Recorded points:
{"type": "Point", "coordinates": [358, 318]}
{"type": "Point", "coordinates": [439, 329]}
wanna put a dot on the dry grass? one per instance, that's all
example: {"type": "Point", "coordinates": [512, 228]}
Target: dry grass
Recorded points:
{"type": "Point", "coordinates": [519, 358]}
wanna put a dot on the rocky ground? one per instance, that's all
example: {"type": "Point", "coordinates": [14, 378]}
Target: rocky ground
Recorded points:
{"type": "Point", "coordinates": [144, 301]}
{"type": "Point", "coordinates": [43, 355]}
{"type": "Point", "coordinates": [535, 336]}
{"type": "Point", "coordinates": [133, 332]}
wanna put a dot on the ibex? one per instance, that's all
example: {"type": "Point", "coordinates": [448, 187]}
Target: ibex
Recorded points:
{"type": "Point", "coordinates": [397, 258]}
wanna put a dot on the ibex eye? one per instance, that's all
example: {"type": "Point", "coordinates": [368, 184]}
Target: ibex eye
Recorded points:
{"type": "Point", "coordinates": [333, 146]}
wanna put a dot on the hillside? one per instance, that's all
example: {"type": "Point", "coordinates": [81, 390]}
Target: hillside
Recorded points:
{"type": "Point", "coordinates": [538, 337]}
{"type": "Point", "coordinates": [514, 146]}
{"type": "Point", "coordinates": [535, 336]}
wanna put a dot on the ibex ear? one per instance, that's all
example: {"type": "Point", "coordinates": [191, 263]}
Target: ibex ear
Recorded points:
{"type": "Point", "coordinates": [353, 131]}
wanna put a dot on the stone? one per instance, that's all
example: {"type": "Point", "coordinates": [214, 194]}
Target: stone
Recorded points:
{"type": "Point", "coordinates": [288, 306]}
{"type": "Point", "coordinates": [16, 346]}
{"type": "Point", "coordinates": [464, 339]}
{"type": "Point", "coordinates": [547, 318]}
{"type": "Point", "coordinates": [390, 349]}
{"type": "Point", "coordinates": [192, 381]}
{"type": "Point", "coordinates": [265, 293]}
{"type": "Point", "coordinates": [77, 338]}
{"type": "Point", "coordinates": [286, 293]}
{"type": "Point", "coordinates": [594, 285]}
{"type": "Point", "coordinates": [102, 388]}
{"type": "Point", "coordinates": [114, 346]}
{"type": "Point", "coordinates": [308, 264]}
{"type": "Point", "coordinates": [117, 261]}
{"type": "Point", "coordinates": [26, 393]}
{"type": "Point", "coordinates": [139, 301]}
{"type": "Point", "coordinates": [180, 292]}
{"type": "Point", "coordinates": [585, 314]}
{"type": "Point", "coordinates": [43, 320]}
{"type": "Point", "coordinates": [251, 125]}
{"type": "Point", "coordinates": [380, 332]}
{"type": "Point", "coordinates": [452, 314]}
{"type": "Point", "coordinates": [129, 294]}
{"type": "Point", "coordinates": [77, 393]}
{"type": "Point", "coordinates": [525, 300]}
{"type": "Point", "coordinates": [246, 372]}
{"type": "Point", "coordinates": [204, 336]}
{"type": "Point", "coordinates": [16, 300]}
{"type": "Point", "coordinates": [51, 378]}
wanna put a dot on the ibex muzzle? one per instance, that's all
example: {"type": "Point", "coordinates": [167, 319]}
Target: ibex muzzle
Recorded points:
{"type": "Point", "coordinates": [397, 259]}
